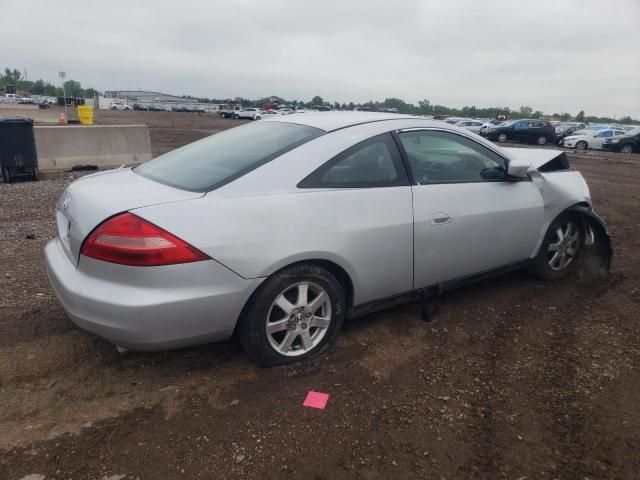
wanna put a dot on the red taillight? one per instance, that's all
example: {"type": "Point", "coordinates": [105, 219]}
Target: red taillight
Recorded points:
{"type": "Point", "coordinates": [130, 240]}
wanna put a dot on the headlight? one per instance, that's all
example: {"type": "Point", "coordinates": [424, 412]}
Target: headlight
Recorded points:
{"type": "Point", "coordinates": [615, 140]}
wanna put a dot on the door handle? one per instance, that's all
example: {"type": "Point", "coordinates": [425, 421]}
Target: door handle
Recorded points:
{"type": "Point", "coordinates": [440, 218]}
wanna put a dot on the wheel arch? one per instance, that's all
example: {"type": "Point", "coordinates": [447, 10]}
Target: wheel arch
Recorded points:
{"type": "Point", "coordinates": [595, 223]}
{"type": "Point", "coordinates": [332, 267]}
{"type": "Point", "coordinates": [598, 227]}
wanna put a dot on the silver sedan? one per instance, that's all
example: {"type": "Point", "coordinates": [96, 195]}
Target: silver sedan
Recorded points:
{"type": "Point", "coordinates": [280, 229]}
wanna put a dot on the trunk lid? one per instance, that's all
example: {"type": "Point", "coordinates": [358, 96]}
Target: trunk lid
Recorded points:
{"type": "Point", "coordinates": [90, 200]}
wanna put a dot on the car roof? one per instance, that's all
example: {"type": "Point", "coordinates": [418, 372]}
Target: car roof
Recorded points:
{"type": "Point", "coordinates": [330, 121]}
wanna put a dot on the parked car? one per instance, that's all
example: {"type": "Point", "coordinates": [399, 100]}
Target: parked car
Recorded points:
{"type": "Point", "coordinates": [490, 124]}
{"type": "Point", "coordinates": [590, 139]}
{"type": "Point", "coordinates": [249, 112]}
{"type": "Point", "coordinates": [223, 235]}
{"type": "Point", "coordinates": [529, 131]}
{"type": "Point", "coordinates": [11, 98]}
{"type": "Point", "coordinates": [453, 120]}
{"type": "Point", "coordinates": [564, 130]}
{"type": "Point", "coordinates": [119, 106]}
{"type": "Point", "coordinates": [271, 113]}
{"type": "Point", "coordinates": [286, 111]}
{"type": "Point", "coordinates": [138, 106]}
{"type": "Point", "coordinates": [629, 142]}
{"type": "Point", "coordinates": [471, 125]}
{"type": "Point", "coordinates": [229, 112]}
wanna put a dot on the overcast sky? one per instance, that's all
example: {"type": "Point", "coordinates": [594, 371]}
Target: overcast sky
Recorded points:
{"type": "Point", "coordinates": [554, 55]}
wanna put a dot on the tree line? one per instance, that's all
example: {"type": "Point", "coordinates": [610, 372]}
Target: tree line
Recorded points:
{"type": "Point", "coordinates": [425, 107]}
{"type": "Point", "coordinates": [73, 88]}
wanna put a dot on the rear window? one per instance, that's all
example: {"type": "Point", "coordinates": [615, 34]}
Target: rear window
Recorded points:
{"type": "Point", "coordinates": [221, 158]}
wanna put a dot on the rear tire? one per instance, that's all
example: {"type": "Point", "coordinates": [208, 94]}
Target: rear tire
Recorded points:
{"type": "Point", "coordinates": [541, 140]}
{"type": "Point", "coordinates": [582, 145]}
{"type": "Point", "coordinates": [560, 249]}
{"type": "Point", "coordinates": [281, 324]}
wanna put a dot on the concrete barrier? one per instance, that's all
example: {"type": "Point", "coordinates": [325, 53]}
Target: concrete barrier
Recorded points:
{"type": "Point", "coordinates": [105, 146]}
{"type": "Point", "coordinates": [31, 111]}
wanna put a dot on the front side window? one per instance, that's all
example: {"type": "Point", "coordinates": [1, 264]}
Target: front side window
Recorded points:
{"type": "Point", "coordinates": [213, 161]}
{"type": "Point", "coordinates": [375, 162]}
{"type": "Point", "coordinates": [441, 157]}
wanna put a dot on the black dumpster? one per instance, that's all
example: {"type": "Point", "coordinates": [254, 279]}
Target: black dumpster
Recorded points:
{"type": "Point", "coordinates": [18, 157]}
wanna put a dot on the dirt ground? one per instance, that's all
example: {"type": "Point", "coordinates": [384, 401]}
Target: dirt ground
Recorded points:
{"type": "Point", "coordinates": [516, 379]}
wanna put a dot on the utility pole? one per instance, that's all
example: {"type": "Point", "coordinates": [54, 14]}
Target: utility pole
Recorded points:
{"type": "Point", "coordinates": [62, 76]}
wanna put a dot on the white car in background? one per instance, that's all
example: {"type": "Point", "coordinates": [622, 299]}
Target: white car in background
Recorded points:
{"type": "Point", "coordinates": [250, 113]}
{"type": "Point", "coordinates": [590, 139]}
{"type": "Point", "coordinates": [119, 106]}
{"type": "Point", "coordinates": [490, 124]}
{"type": "Point", "coordinates": [271, 113]}
{"type": "Point", "coordinates": [471, 125]}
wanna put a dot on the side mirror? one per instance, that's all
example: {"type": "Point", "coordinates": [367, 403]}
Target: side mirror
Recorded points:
{"type": "Point", "coordinates": [518, 168]}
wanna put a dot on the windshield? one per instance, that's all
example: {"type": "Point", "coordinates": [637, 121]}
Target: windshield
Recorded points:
{"type": "Point", "coordinates": [225, 156]}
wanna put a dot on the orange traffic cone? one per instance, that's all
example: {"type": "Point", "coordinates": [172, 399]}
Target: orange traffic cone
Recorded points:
{"type": "Point", "coordinates": [63, 120]}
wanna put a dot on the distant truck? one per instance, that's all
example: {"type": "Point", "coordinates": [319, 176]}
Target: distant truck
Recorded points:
{"type": "Point", "coordinates": [11, 98]}
{"type": "Point", "coordinates": [230, 111]}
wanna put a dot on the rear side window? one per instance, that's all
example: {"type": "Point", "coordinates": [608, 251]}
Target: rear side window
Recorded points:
{"type": "Point", "coordinates": [375, 162]}
{"type": "Point", "coordinates": [221, 158]}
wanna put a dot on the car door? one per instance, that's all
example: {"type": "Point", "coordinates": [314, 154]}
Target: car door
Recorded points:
{"type": "Point", "coordinates": [468, 217]}
{"type": "Point", "coordinates": [364, 192]}
{"type": "Point", "coordinates": [520, 131]}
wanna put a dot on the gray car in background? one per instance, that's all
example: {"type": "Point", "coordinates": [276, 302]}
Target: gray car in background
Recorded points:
{"type": "Point", "coordinates": [280, 229]}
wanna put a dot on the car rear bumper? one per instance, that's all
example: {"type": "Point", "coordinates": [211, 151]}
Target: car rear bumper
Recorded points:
{"type": "Point", "coordinates": [149, 308]}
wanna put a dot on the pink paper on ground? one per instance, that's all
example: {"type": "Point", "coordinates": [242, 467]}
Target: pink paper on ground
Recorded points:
{"type": "Point", "coordinates": [316, 400]}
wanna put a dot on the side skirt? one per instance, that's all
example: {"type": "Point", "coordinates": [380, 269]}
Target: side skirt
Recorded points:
{"type": "Point", "coordinates": [431, 290]}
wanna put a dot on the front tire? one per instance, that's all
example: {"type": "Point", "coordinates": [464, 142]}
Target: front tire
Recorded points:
{"type": "Point", "coordinates": [502, 137]}
{"type": "Point", "coordinates": [582, 145]}
{"type": "Point", "coordinates": [295, 314]}
{"type": "Point", "coordinates": [561, 248]}
{"type": "Point", "coordinates": [626, 149]}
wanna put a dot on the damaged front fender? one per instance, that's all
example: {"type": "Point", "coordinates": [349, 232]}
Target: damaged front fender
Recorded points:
{"type": "Point", "coordinates": [602, 240]}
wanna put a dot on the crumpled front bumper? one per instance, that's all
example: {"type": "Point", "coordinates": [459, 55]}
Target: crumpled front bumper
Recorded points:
{"type": "Point", "coordinates": [602, 239]}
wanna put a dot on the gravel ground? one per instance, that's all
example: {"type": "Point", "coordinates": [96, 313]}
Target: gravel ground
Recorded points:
{"type": "Point", "coordinates": [516, 379]}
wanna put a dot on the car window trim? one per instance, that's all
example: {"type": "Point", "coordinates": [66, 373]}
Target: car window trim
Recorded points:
{"type": "Point", "coordinates": [241, 173]}
{"type": "Point", "coordinates": [403, 180]}
{"type": "Point", "coordinates": [405, 158]}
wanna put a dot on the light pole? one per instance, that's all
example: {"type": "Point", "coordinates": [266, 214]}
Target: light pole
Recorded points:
{"type": "Point", "coordinates": [62, 76]}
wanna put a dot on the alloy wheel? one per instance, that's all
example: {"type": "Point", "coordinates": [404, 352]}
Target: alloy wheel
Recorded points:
{"type": "Point", "coordinates": [298, 319]}
{"type": "Point", "coordinates": [581, 145]}
{"type": "Point", "coordinates": [626, 149]}
{"type": "Point", "coordinates": [565, 246]}
{"type": "Point", "coordinates": [542, 140]}
{"type": "Point", "coordinates": [502, 138]}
